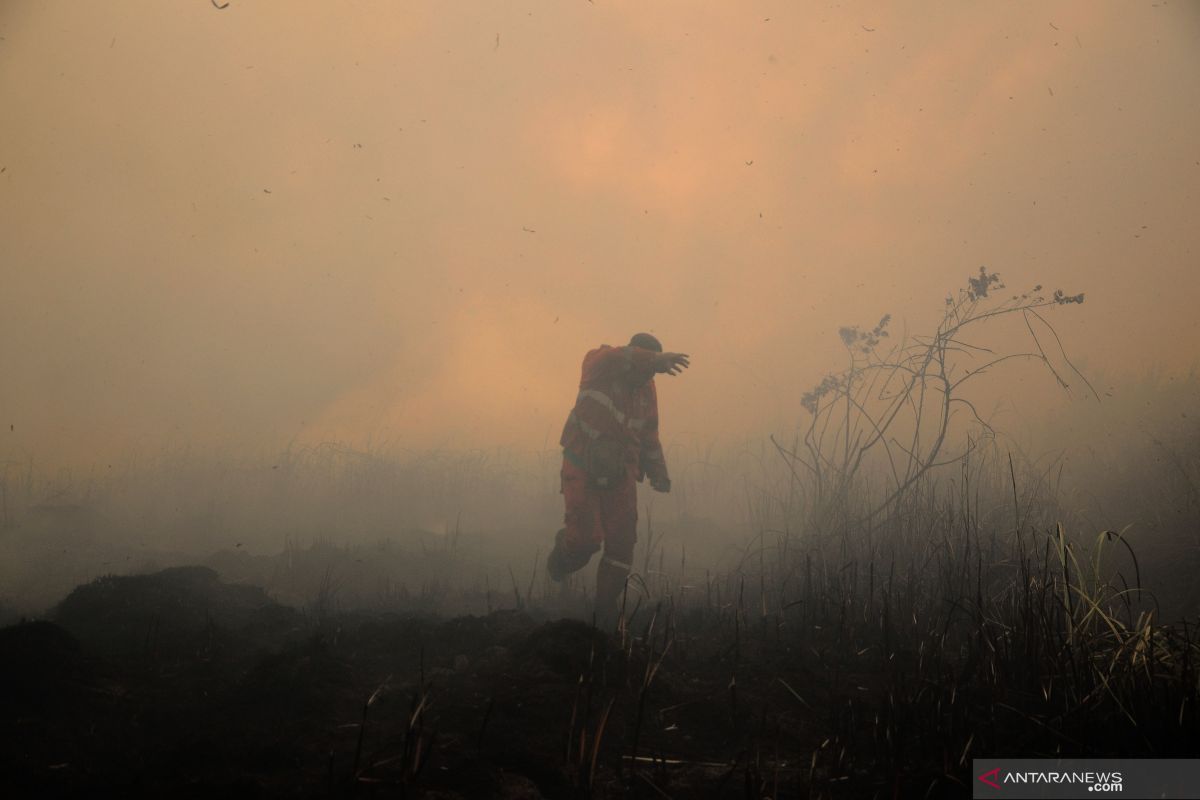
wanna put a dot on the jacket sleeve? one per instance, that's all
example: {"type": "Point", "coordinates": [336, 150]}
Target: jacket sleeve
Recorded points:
{"type": "Point", "coordinates": [653, 462]}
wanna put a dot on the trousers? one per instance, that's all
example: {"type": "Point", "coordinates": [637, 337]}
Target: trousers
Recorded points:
{"type": "Point", "coordinates": [599, 517]}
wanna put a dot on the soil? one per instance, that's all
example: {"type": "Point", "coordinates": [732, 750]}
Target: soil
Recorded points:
{"type": "Point", "coordinates": [177, 684]}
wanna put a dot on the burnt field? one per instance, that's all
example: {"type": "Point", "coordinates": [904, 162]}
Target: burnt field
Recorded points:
{"type": "Point", "coordinates": [332, 333]}
{"type": "Point", "coordinates": [858, 611]}
{"type": "Point", "coordinates": [873, 666]}
{"type": "Point", "coordinates": [141, 691]}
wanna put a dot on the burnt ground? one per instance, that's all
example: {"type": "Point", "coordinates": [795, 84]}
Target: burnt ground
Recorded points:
{"type": "Point", "coordinates": [177, 684]}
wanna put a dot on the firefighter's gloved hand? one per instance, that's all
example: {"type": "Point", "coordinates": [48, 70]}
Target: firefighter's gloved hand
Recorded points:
{"type": "Point", "coordinates": [660, 484]}
{"type": "Point", "coordinates": [671, 363]}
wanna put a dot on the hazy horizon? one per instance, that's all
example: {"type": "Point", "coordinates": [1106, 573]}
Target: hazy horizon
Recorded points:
{"type": "Point", "coordinates": [238, 228]}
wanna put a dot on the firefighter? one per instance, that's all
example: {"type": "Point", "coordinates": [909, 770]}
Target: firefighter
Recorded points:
{"type": "Point", "coordinates": [610, 443]}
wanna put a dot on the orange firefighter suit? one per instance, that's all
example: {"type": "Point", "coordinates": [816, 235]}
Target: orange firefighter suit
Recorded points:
{"type": "Point", "coordinates": [614, 420]}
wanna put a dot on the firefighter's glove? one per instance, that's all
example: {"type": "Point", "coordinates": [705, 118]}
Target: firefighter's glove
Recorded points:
{"type": "Point", "coordinates": [661, 484]}
{"type": "Point", "coordinates": [671, 363]}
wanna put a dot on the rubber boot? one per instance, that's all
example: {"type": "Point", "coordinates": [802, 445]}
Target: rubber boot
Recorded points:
{"type": "Point", "coordinates": [565, 559]}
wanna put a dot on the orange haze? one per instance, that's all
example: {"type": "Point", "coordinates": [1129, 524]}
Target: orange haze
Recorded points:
{"type": "Point", "coordinates": [407, 222]}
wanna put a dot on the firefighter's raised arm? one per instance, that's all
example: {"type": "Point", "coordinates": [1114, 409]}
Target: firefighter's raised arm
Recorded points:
{"type": "Point", "coordinates": [671, 363]}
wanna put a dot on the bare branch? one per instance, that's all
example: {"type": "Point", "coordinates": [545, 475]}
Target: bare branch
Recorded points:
{"type": "Point", "coordinates": [1063, 352]}
{"type": "Point", "coordinates": [910, 391]}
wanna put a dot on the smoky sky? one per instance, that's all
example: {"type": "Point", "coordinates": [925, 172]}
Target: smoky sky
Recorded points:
{"type": "Point", "coordinates": [407, 222]}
